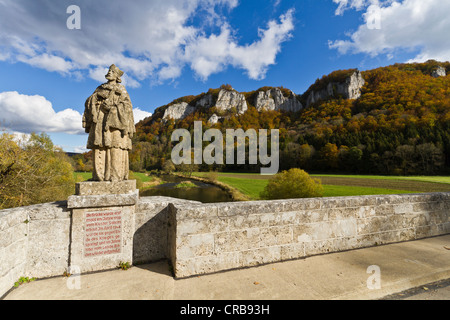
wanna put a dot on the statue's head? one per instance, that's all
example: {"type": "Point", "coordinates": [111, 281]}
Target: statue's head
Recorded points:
{"type": "Point", "coordinates": [114, 73]}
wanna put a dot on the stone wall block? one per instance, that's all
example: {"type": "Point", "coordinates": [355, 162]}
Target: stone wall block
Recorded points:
{"type": "Point", "coordinates": [13, 255]}
{"type": "Point", "coordinates": [207, 264]}
{"type": "Point", "coordinates": [292, 251]}
{"type": "Point", "coordinates": [259, 256]}
{"type": "Point", "coordinates": [196, 211]}
{"type": "Point", "coordinates": [48, 211]}
{"type": "Point", "coordinates": [274, 236]}
{"type": "Point", "coordinates": [302, 204]}
{"type": "Point", "coordinates": [195, 246]}
{"type": "Point", "coordinates": [232, 241]}
{"type": "Point", "coordinates": [48, 248]}
{"type": "Point", "coordinates": [244, 222]}
{"type": "Point", "coordinates": [12, 217]}
{"type": "Point", "coordinates": [13, 234]}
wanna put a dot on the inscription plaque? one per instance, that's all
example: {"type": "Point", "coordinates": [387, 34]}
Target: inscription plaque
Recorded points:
{"type": "Point", "coordinates": [103, 233]}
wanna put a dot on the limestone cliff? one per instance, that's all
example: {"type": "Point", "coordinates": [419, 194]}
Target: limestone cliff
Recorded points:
{"type": "Point", "coordinates": [178, 111]}
{"type": "Point", "coordinates": [274, 99]}
{"type": "Point", "coordinates": [439, 72]}
{"type": "Point", "coordinates": [225, 100]}
{"type": "Point", "coordinates": [348, 88]}
{"type": "Point", "coordinates": [229, 99]}
{"type": "Point", "coordinates": [347, 84]}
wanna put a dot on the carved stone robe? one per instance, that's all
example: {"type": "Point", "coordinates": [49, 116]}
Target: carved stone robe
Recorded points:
{"type": "Point", "coordinates": [101, 123]}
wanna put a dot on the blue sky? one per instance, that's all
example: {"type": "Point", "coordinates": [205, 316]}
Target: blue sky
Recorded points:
{"type": "Point", "coordinates": [174, 48]}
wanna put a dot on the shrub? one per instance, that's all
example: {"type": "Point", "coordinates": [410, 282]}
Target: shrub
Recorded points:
{"type": "Point", "coordinates": [212, 176]}
{"type": "Point", "coordinates": [295, 183]}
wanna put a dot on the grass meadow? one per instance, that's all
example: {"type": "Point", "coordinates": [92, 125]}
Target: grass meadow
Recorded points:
{"type": "Point", "coordinates": [251, 184]}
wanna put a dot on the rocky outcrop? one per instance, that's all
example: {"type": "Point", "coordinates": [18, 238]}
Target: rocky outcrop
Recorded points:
{"type": "Point", "coordinates": [273, 99]}
{"type": "Point", "coordinates": [178, 111]}
{"type": "Point", "coordinates": [349, 89]}
{"type": "Point", "coordinates": [439, 72]}
{"type": "Point", "coordinates": [229, 99]}
{"type": "Point", "coordinates": [214, 119]}
{"type": "Point", "coordinates": [226, 101]}
{"type": "Point", "coordinates": [278, 99]}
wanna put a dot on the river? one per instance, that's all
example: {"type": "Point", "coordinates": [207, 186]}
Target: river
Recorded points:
{"type": "Point", "coordinates": [202, 192]}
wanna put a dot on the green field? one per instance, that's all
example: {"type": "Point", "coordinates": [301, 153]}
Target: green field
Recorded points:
{"type": "Point", "coordinates": [249, 187]}
{"type": "Point", "coordinates": [252, 184]}
{"type": "Point", "coordinates": [253, 187]}
{"type": "Point", "coordinates": [434, 179]}
{"type": "Point", "coordinates": [82, 176]}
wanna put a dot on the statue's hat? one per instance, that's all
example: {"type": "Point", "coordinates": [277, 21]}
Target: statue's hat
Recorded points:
{"type": "Point", "coordinates": [116, 70]}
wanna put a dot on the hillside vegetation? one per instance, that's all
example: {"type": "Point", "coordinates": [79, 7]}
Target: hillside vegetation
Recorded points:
{"type": "Point", "coordinates": [400, 125]}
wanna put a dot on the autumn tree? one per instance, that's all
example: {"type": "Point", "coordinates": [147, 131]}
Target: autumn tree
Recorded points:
{"type": "Point", "coordinates": [330, 155]}
{"type": "Point", "coordinates": [33, 170]}
{"type": "Point", "coordinates": [305, 155]}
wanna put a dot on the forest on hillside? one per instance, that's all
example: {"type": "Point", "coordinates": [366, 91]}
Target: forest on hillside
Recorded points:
{"type": "Point", "coordinates": [399, 126]}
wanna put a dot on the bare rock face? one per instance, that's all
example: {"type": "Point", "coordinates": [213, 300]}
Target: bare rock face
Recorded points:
{"type": "Point", "coordinates": [264, 101]}
{"type": "Point", "coordinates": [214, 119]}
{"type": "Point", "coordinates": [178, 111]}
{"type": "Point", "coordinates": [274, 99]}
{"type": "Point", "coordinates": [229, 99]}
{"type": "Point", "coordinates": [439, 72]}
{"type": "Point", "coordinates": [350, 89]}
{"type": "Point", "coordinates": [205, 101]}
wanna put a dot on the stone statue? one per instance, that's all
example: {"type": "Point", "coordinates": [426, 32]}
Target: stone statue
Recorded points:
{"type": "Point", "coordinates": [108, 118]}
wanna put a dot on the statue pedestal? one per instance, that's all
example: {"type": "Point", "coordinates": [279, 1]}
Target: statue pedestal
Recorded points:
{"type": "Point", "coordinates": [103, 225]}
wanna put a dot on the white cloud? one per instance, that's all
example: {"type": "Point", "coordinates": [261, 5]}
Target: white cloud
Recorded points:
{"type": "Point", "coordinates": [140, 114]}
{"type": "Point", "coordinates": [250, 57]}
{"type": "Point", "coordinates": [413, 25]}
{"type": "Point", "coordinates": [146, 39]}
{"type": "Point", "coordinates": [79, 149]}
{"type": "Point", "coordinates": [347, 4]}
{"type": "Point", "coordinates": [24, 113]}
{"type": "Point", "coordinates": [213, 54]}
{"type": "Point", "coordinates": [47, 62]}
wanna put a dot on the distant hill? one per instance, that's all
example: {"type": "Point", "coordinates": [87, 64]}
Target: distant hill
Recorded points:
{"type": "Point", "coordinates": [389, 120]}
{"type": "Point", "coordinates": [72, 154]}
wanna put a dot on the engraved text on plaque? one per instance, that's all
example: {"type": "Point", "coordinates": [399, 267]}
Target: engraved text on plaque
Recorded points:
{"type": "Point", "coordinates": [103, 233]}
